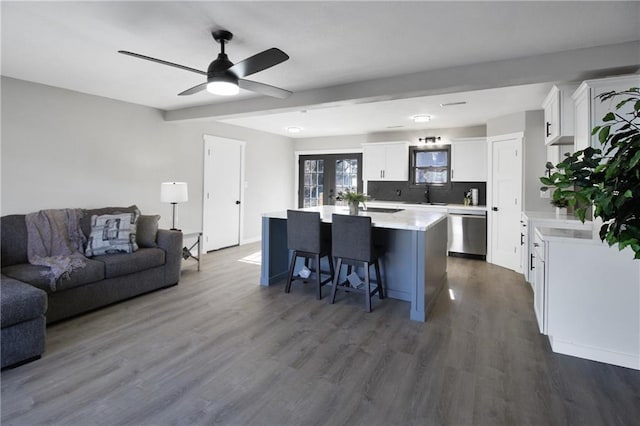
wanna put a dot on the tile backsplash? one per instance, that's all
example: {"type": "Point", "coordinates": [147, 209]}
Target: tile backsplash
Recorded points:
{"type": "Point", "coordinates": [400, 191]}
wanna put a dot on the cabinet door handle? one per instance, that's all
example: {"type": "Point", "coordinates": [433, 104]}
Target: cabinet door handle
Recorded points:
{"type": "Point", "coordinates": [451, 173]}
{"type": "Point", "coordinates": [531, 267]}
{"type": "Point", "coordinates": [548, 129]}
{"type": "Point", "coordinates": [383, 172]}
{"type": "Point", "coordinates": [521, 239]}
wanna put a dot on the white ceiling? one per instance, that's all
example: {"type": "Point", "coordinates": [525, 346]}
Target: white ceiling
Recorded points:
{"type": "Point", "coordinates": [73, 45]}
{"type": "Point", "coordinates": [396, 115]}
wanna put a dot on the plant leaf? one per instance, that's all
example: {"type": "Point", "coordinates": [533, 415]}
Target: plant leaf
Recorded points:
{"type": "Point", "coordinates": [634, 160]}
{"type": "Point", "coordinates": [604, 133]}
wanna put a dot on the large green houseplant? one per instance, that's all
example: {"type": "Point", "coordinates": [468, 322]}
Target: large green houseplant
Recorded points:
{"type": "Point", "coordinates": [608, 179]}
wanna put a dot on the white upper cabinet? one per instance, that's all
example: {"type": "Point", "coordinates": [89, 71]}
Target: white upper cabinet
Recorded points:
{"type": "Point", "coordinates": [469, 160]}
{"type": "Point", "coordinates": [558, 115]}
{"type": "Point", "coordinates": [589, 110]}
{"type": "Point", "coordinates": [385, 161]}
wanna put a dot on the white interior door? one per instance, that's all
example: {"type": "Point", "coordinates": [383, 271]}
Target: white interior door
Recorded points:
{"type": "Point", "coordinates": [505, 200]}
{"type": "Point", "coordinates": [222, 198]}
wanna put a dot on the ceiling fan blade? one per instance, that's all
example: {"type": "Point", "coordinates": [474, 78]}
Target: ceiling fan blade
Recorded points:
{"type": "Point", "coordinates": [160, 61]}
{"type": "Point", "coordinates": [194, 89]}
{"type": "Point", "coordinates": [263, 89]}
{"type": "Point", "coordinates": [258, 62]}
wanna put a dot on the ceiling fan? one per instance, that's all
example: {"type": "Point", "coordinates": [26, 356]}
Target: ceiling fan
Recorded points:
{"type": "Point", "coordinates": [226, 78]}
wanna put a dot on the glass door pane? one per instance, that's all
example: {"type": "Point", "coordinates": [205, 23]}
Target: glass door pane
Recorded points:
{"type": "Point", "coordinates": [313, 183]}
{"type": "Point", "coordinates": [323, 176]}
{"type": "Point", "coordinates": [346, 176]}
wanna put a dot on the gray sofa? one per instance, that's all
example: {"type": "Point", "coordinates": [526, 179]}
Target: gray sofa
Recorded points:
{"type": "Point", "coordinates": [28, 303]}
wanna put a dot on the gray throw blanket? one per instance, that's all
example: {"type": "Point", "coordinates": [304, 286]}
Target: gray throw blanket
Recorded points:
{"type": "Point", "coordinates": [55, 240]}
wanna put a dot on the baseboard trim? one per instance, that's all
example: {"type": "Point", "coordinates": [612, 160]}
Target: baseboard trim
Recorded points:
{"type": "Point", "coordinates": [595, 354]}
{"type": "Point", "coordinates": [250, 240]}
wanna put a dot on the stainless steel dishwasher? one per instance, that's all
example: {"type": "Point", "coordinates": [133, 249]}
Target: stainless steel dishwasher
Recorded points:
{"type": "Point", "coordinates": [468, 233]}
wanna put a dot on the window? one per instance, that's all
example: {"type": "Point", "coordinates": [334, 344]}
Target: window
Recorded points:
{"type": "Point", "coordinates": [430, 165]}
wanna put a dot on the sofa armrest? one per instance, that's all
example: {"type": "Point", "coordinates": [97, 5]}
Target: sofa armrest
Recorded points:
{"type": "Point", "coordinates": [171, 243]}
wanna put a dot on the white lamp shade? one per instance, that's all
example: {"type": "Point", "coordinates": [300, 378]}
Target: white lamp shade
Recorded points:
{"type": "Point", "coordinates": [173, 192]}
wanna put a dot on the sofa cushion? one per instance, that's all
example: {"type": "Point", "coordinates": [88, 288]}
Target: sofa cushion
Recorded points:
{"type": "Point", "coordinates": [146, 230]}
{"type": "Point", "coordinates": [33, 274]}
{"type": "Point", "coordinates": [123, 264]}
{"type": "Point", "coordinates": [13, 231]}
{"type": "Point", "coordinates": [20, 302]}
{"type": "Point", "coordinates": [112, 233]}
{"type": "Point", "coordinates": [85, 221]}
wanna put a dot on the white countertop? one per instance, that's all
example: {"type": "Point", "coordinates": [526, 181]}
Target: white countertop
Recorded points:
{"type": "Point", "coordinates": [409, 219]}
{"type": "Point", "coordinates": [582, 236]}
{"type": "Point", "coordinates": [424, 206]}
{"type": "Point", "coordinates": [552, 219]}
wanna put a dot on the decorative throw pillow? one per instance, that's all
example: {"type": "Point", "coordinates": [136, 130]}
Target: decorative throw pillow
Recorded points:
{"type": "Point", "coordinates": [112, 233]}
{"type": "Point", "coordinates": [146, 230]}
{"type": "Point", "coordinates": [85, 221]}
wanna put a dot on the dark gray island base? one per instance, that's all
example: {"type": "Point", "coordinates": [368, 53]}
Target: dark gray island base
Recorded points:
{"type": "Point", "coordinates": [413, 243]}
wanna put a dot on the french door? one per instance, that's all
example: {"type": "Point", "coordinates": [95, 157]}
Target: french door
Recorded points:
{"type": "Point", "coordinates": [322, 176]}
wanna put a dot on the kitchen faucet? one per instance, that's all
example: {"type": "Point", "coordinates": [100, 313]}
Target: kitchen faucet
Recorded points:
{"type": "Point", "coordinates": [427, 195]}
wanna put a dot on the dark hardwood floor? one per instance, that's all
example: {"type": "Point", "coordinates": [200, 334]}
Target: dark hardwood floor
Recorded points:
{"type": "Point", "coordinates": [220, 349]}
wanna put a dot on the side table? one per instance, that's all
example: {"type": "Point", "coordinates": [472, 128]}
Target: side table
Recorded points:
{"type": "Point", "coordinates": [187, 251]}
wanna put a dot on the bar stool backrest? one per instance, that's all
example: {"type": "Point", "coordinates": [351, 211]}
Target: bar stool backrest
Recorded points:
{"type": "Point", "coordinates": [351, 237]}
{"type": "Point", "coordinates": [303, 231]}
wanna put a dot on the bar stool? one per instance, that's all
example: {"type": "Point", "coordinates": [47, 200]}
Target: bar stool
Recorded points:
{"type": "Point", "coordinates": [352, 245]}
{"type": "Point", "coordinates": [306, 239]}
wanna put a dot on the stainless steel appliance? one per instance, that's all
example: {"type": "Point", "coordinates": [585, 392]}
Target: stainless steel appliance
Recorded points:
{"type": "Point", "coordinates": [468, 233]}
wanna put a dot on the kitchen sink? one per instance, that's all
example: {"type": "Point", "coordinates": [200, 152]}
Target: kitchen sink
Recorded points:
{"type": "Point", "coordinates": [425, 203]}
{"type": "Point", "coordinates": [381, 210]}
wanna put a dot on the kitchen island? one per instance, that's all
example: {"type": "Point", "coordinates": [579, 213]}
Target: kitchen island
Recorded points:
{"type": "Point", "coordinates": [413, 245]}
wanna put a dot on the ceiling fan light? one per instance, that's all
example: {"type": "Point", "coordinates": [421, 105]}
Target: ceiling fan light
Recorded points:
{"type": "Point", "coordinates": [222, 88]}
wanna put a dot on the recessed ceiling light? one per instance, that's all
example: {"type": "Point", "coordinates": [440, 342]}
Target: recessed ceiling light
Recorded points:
{"type": "Point", "coordinates": [421, 118]}
{"type": "Point", "coordinates": [294, 129]}
{"type": "Point", "coordinates": [453, 103]}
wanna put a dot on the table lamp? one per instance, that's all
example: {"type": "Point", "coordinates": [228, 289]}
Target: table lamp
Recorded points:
{"type": "Point", "coordinates": [174, 193]}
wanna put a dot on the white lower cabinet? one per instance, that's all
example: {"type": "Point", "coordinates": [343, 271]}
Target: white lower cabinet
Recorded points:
{"type": "Point", "coordinates": [539, 289]}
{"type": "Point", "coordinates": [587, 297]}
{"type": "Point", "coordinates": [531, 220]}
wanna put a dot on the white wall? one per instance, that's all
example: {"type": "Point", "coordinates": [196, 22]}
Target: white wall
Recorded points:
{"type": "Point", "coordinates": [535, 153]}
{"type": "Point", "coordinates": [66, 149]}
{"type": "Point", "coordinates": [355, 141]}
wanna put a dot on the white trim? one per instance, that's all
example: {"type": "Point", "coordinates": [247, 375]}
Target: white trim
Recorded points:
{"type": "Point", "coordinates": [328, 151]}
{"type": "Point", "coordinates": [250, 240]}
{"type": "Point", "coordinates": [490, 141]}
{"type": "Point", "coordinates": [595, 354]}
{"type": "Point", "coordinates": [296, 162]}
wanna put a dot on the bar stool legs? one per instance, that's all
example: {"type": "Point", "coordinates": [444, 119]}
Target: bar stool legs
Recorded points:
{"type": "Point", "coordinates": [367, 283]}
{"type": "Point", "coordinates": [316, 266]}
